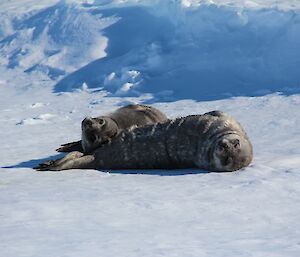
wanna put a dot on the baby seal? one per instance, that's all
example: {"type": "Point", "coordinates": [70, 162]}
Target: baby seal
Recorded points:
{"type": "Point", "coordinates": [213, 141]}
{"type": "Point", "coordinates": [100, 130]}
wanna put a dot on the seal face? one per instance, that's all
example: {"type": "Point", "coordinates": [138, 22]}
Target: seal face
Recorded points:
{"type": "Point", "coordinates": [231, 152]}
{"type": "Point", "coordinates": [97, 131]}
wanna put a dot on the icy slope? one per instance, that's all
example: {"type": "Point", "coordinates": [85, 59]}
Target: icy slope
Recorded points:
{"type": "Point", "coordinates": [215, 51]}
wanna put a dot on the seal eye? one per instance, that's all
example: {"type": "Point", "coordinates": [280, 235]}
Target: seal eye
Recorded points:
{"type": "Point", "coordinates": [100, 121]}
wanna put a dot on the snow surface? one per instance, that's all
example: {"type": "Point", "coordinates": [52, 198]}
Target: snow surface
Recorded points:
{"type": "Point", "coordinates": [132, 48]}
{"type": "Point", "coordinates": [63, 60]}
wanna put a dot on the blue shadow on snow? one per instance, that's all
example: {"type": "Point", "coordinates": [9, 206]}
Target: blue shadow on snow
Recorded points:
{"type": "Point", "coordinates": [217, 53]}
{"type": "Point", "coordinates": [159, 172]}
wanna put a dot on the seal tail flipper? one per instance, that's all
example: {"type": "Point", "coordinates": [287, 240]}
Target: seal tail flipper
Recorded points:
{"type": "Point", "coordinates": [70, 147]}
{"type": "Point", "coordinates": [73, 160]}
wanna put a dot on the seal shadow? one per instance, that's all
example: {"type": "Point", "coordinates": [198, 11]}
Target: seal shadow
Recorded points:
{"type": "Point", "coordinates": [158, 172]}
{"type": "Point", "coordinates": [34, 162]}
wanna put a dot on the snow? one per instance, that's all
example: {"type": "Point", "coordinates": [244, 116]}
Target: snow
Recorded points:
{"type": "Point", "coordinates": [64, 60]}
{"type": "Point", "coordinates": [168, 43]}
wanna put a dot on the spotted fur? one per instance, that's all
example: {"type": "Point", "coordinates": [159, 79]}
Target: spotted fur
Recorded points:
{"type": "Point", "coordinates": [213, 141]}
{"type": "Point", "coordinates": [100, 130]}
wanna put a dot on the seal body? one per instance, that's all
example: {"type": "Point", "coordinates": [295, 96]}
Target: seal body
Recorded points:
{"type": "Point", "coordinates": [213, 141]}
{"type": "Point", "coordinates": [100, 130]}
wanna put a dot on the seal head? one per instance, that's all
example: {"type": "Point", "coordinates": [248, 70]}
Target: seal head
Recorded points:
{"type": "Point", "coordinates": [230, 152]}
{"type": "Point", "coordinates": [97, 131]}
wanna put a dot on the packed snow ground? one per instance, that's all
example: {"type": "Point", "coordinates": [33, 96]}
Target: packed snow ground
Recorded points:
{"type": "Point", "coordinates": [253, 212]}
{"type": "Point", "coordinates": [47, 47]}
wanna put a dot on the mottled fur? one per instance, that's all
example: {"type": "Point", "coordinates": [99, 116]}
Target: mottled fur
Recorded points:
{"type": "Point", "coordinates": [213, 141]}
{"type": "Point", "coordinates": [100, 130]}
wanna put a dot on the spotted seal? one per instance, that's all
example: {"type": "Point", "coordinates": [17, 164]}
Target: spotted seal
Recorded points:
{"type": "Point", "coordinates": [100, 130]}
{"type": "Point", "coordinates": [213, 141]}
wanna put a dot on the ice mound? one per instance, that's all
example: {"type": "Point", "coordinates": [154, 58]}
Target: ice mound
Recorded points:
{"type": "Point", "coordinates": [178, 49]}
{"type": "Point", "coordinates": [204, 53]}
{"type": "Point", "coordinates": [56, 40]}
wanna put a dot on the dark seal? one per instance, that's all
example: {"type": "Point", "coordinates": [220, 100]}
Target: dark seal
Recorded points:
{"type": "Point", "coordinates": [100, 130]}
{"type": "Point", "coordinates": [213, 141]}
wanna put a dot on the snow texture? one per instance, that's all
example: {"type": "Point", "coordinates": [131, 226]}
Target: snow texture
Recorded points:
{"type": "Point", "coordinates": [215, 50]}
{"type": "Point", "coordinates": [63, 60]}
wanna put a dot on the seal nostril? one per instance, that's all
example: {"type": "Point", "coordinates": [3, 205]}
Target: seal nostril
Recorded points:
{"type": "Point", "coordinates": [227, 160]}
{"type": "Point", "coordinates": [236, 143]}
{"type": "Point", "coordinates": [87, 121]}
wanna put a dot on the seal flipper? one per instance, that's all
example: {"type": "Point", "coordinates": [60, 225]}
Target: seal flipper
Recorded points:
{"type": "Point", "coordinates": [73, 160]}
{"type": "Point", "coordinates": [70, 147]}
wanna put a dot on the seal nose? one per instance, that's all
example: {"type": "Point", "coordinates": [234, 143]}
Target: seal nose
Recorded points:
{"type": "Point", "coordinates": [227, 160]}
{"type": "Point", "coordinates": [236, 143]}
{"type": "Point", "coordinates": [87, 121]}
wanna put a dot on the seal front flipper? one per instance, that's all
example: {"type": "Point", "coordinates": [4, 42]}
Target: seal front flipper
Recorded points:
{"type": "Point", "coordinates": [73, 160]}
{"type": "Point", "coordinates": [70, 147]}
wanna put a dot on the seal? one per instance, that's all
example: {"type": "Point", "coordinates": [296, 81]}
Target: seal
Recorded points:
{"type": "Point", "coordinates": [213, 141]}
{"type": "Point", "coordinates": [100, 130]}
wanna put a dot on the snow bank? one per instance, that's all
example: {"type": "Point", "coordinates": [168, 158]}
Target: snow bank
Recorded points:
{"type": "Point", "coordinates": [180, 49]}
{"type": "Point", "coordinates": [204, 53]}
{"type": "Point", "coordinates": [56, 40]}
